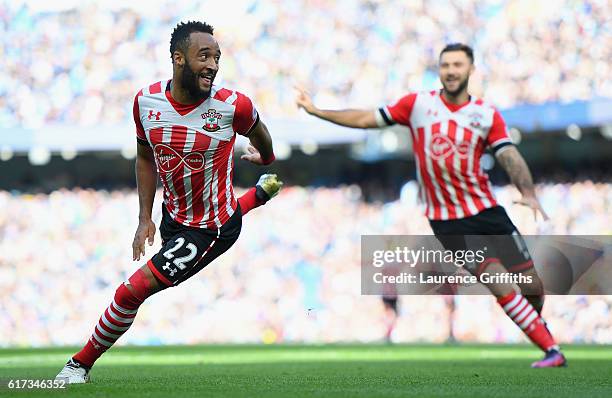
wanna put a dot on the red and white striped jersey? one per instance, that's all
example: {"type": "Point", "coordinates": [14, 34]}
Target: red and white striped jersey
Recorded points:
{"type": "Point", "coordinates": [193, 147]}
{"type": "Point", "coordinates": [448, 142]}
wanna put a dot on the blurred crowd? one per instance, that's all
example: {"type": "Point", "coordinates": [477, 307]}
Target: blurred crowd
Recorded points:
{"type": "Point", "coordinates": [82, 62]}
{"type": "Point", "coordinates": [293, 276]}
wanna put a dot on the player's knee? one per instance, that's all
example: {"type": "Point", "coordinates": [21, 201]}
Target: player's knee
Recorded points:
{"type": "Point", "coordinates": [533, 291]}
{"type": "Point", "coordinates": [143, 284]}
{"type": "Point", "coordinates": [497, 289]}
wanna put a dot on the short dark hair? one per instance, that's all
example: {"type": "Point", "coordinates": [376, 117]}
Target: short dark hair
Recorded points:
{"type": "Point", "coordinates": [459, 47]}
{"type": "Point", "coordinates": [179, 40]}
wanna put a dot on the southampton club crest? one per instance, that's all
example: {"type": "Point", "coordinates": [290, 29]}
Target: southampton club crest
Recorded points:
{"type": "Point", "coordinates": [211, 120]}
{"type": "Point", "coordinates": [475, 120]}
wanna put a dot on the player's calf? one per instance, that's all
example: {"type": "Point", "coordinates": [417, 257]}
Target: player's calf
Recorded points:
{"type": "Point", "coordinates": [536, 302]}
{"type": "Point", "coordinates": [114, 322]}
{"type": "Point", "coordinates": [524, 315]}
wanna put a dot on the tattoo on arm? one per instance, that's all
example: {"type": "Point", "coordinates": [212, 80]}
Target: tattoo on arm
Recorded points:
{"type": "Point", "coordinates": [516, 167]}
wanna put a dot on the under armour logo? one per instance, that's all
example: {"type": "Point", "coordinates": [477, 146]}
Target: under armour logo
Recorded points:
{"type": "Point", "coordinates": [96, 345]}
{"type": "Point", "coordinates": [168, 268]}
{"type": "Point", "coordinates": [156, 115]}
{"type": "Point", "coordinates": [430, 113]}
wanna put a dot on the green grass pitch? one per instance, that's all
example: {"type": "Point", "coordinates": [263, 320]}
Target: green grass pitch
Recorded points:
{"type": "Point", "coordinates": [320, 371]}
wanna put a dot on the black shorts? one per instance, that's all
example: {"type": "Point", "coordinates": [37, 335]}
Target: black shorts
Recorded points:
{"type": "Point", "coordinates": [491, 228]}
{"type": "Point", "coordinates": [186, 250]}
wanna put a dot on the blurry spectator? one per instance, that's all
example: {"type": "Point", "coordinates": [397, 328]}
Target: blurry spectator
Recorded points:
{"type": "Point", "coordinates": [83, 64]}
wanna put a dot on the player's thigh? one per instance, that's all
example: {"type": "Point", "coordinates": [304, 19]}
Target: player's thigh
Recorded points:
{"type": "Point", "coordinates": [222, 241]}
{"type": "Point", "coordinates": [514, 255]}
{"type": "Point", "coordinates": [494, 279]}
{"type": "Point", "coordinates": [179, 255]}
{"type": "Point", "coordinates": [461, 244]}
{"type": "Point", "coordinates": [216, 249]}
{"type": "Point", "coordinates": [533, 285]}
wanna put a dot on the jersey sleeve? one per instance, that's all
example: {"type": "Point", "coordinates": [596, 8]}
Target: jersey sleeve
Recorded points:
{"type": "Point", "coordinates": [245, 115]}
{"type": "Point", "coordinates": [141, 138]}
{"type": "Point", "coordinates": [399, 112]}
{"type": "Point", "coordinates": [498, 136]}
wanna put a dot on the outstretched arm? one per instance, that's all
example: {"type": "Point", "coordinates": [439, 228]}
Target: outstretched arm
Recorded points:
{"type": "Point", "coordinates": [356, 118]}
{"type": "Point", "coordinates": [518, 171]}
{"type": "Point", "coordinates": [146, 181]}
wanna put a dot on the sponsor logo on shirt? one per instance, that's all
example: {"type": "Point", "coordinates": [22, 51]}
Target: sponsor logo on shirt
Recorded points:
{"type": "Point", "coordinates": [441, 147]}
{"type": "Point", "coordinates": [169, 160]}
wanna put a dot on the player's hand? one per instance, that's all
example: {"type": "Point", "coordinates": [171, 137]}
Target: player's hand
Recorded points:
{"type": "Point", "coordinates": [252, 155]}
{"type": "Point", "coordinates": [533, 203]}
{"type": "Point", "coordinates": [144, 232]}
{"type": "Point", "coordinates": [303, 100]}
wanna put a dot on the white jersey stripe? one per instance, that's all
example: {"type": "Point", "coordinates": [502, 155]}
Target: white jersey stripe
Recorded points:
{"type": "Point", "coordinates": [215, 198]}
{"type": "Point", "coordinates": [148, 135]}
{"type": "Point", "coordinates": [230, 100]}
{"type": "Point", "coordinates": [228, 184]}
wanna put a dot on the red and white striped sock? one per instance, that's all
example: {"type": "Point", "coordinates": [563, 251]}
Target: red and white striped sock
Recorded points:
{"type": "Point", "coordinates": [116, 319]}
{"type": "Point", "coordinates": [527, 318]}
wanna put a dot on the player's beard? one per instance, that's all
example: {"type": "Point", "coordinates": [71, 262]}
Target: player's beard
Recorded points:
{"type": "Point", "coordinates": [462, 86]}
{"type": "Point", "coordinates": [189, 81]}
